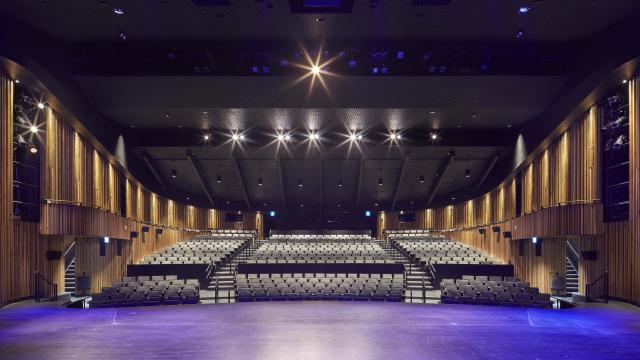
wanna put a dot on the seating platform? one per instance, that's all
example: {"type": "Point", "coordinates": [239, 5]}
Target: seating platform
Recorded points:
{"type": "Point", "coordinates": [148, 290]}
{"type": "Point", "coordinates": [493, 290]}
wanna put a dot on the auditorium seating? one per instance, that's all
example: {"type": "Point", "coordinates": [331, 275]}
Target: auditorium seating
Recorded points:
{"type": "Point", "coordinates": [148, 290]}
{"type": "Point", "coordinates": [209, 249]}
{"type": "Point", "coordinates": [492, 290]}
{"type": "Point", "coordinates": [423, 247]}
{"type": "Point", "coordinates": [300, 286]}
{"type": "Point", "coordinates": [310, 248]}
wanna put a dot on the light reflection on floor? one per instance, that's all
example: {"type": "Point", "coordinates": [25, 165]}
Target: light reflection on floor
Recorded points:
{"type": "Point", "coordinates": [320, 330]}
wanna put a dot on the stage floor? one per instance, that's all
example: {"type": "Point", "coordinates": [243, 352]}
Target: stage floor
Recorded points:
{"type": "Point", "coordinates": [319, 330]}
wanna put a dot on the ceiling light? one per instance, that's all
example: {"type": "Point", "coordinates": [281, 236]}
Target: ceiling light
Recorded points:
{"type": "Point", "coordinates": [467, 173]}
{"type": "Point", "coordinates": [352, 137]}
{"type": "Point", "coordinates": [300, 183]}
{"type": "Point", "coordinates": [235, 137]}
{"type": "Point", "coordinates": [359, 137]}
{"type": "Point", "coordinates": [40, 105]}
{"type": "Point", "coordinates": [207, 137]}
{"type": "Point", "coordinates": [380, 181]}
{"type": "Point", "coordinates": [314, 136]}
{"type": "Point", "coordinates": [315, 70]}
{"type": "Point", "coordinates": [623, 81]}
{"type": "Point", "coordinates": [16, 81]}
{"type": "Point", "coordinates": [421, 178]}
{"type": "Point", "coordinates": [434, 136]}
{"type": "Point", "coordinates": [287, 137]}
{"type": "Point", "coordinates": [523, 9]}
{"type": "Point", "coordinates": [33, 149]}
{"type": "Point", "coordinates": [33, 129]}
{"type": "Point", "coordinates": [432, 112]}
{"type": "Point", "coordinates": [123, 35]}
{"type": "Point", "coordinates": [118, 11]}
{"type": "Point", "coordinates": [301, 205]}
{"type": "Point", "coordinates": [375, 203]}
{"type": "Point", "coordinates": [259, 181]}
{"type": "Point", "coordinates": [218, 178]}
{"type": "Point", "coordinates": [241, 137]}
{"type": "Point", "coordinates": [453, 198]}
{"type": "Point", "coordinates": [174, 173]}
{"type": "Point", "coordinates": [339, 182]}
{"type": "Point", "coordinates": [474, 115]}
{"type": "Point", "coordinates": [520, 34]}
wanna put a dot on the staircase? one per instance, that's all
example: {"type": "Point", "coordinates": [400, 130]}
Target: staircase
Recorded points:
{"type": "Point", "coordinates": [70, 277]}
{"type": "Point", "coordinates": [222, 283]}
{"type": "Point", "coordinates": [572, 277]}
{"type": "Point", "coordinates": [418, 287]}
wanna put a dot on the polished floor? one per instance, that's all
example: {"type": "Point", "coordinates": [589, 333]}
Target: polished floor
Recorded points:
{"type": "Point", "coordinates": [320, 330]}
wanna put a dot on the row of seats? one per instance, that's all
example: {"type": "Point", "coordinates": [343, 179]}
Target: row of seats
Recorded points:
{"type": "Point", "coordinates": [316, 260]}
{"type": "Point", "coordinates": [492, 291]}
{"type": "Point", "coordinates": [148, 290]}
{"type": "Point", "coordinates": [198, 251]}
{"type": "Point", "coordinates": [440, 251]}
{"type": "Point", "coordinates": [319, 237]}
{"type": "Point", "coordinates": [337, 287]}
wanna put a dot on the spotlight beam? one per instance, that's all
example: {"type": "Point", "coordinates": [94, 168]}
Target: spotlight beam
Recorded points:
{"type": "Point", "coordinates": [396, 192]}
{"type": "Point", "coordinates": [200, 172]}
{"type": "Point", "coordinates": [243, 184]}
{"type": "Point", "coordinates": [442, 169]}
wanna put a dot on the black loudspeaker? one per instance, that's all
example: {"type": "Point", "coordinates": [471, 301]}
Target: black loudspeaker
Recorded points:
{"type": "Point", "coordinates": [134, 234]}
{"type": "Point", "coordinates": [538, 247]}
{"type": "Point", "coordinates": [495, 229]}
{"type": "Point", "coordinates": [145, 229]}
{"type": "Point", "coordinates": [482, 231]}
{"type": "Point", "coordinates": [506, 234]}
{"type": "Point", "coordinates": [591, 255]}
{"type": "Point", "coordinates": [54, 255]}
{"type": "Point", "coordinates": [159, 231]}
{"type": "Point", "coordinates": [103, 247]}
{"type": "Point", "coordinates": [521, 245]}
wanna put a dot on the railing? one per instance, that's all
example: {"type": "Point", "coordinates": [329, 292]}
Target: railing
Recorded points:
{"type": "Point", "coordinates": [573, 256]}
{"type": "Point", "coordinates": [69, 255]}
{"type": "Point", "coordinates": [44, 289]}
{"type": "Point", "coordinates": [605, 287]}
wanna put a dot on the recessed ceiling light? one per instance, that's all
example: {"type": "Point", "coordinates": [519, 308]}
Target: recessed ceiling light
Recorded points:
{"type": "Point", "coordinates": [520, 34]}
{"type": "Point", "coordinates": [16, 81]}
{"type": "Point", "coordinates": [434, 136]}
{"type": "Point", "coordinates": [34, 129]}
{"type": "Point", "coordinates": [235, 137]}
{"type": "Point", "coordinates": [624, 81]}
{"type": "Point", "coordinates": [33, 149]}
{"type": "Point", "coordinates": [319, 19]}
{"type": "Point", "coordinates": [432, 112]}
{"type": "Point", "coordinates": [315, 70]}
{"type": "Point", "coordinates": [523, 9]}
{"type": "Point", "coordinates": [207, 137]}
{"type": "Point", "coordinates": [118, 11]}
{"type": "Point", "coordinates": [40, 105]}
{"type": "Point", "coordinates": [508, 125]}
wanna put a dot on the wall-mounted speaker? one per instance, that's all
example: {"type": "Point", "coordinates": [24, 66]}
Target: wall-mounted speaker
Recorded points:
{"type": "Point", "coordinates": [506, 234]}
{"type": "Point", "coordinates": [119, 247]}
{"type": "Point", "coordinates": [159, 231]}
{"type": "Point", "coordinates": [495, 229]}
{"type": "Point", "coordinates": [590, 255]}
{"type": "Point", "coordinates": [482, 231]}
{"type": "Point", "coordinates": [54, 255]}
{"type": "Point", "coordinates": [521, 245]}
{"type": "Point", "coordinates": [134, 234]}
{"type": "Point", "coordinates": [538, 247]}
{"type": "Point", "coordinates": [145, 229]}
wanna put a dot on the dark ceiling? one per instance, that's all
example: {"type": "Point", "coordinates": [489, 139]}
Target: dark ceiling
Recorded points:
{"type": "Point", "coordinates": [165, 73]}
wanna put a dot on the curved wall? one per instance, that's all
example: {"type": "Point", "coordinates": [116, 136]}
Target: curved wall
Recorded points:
{"type": "Point", "coordinates": [560, 201]}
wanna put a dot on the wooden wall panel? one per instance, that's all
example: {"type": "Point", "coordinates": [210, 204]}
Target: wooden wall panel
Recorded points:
{"type": "Point", "coordinates": [630, 244]}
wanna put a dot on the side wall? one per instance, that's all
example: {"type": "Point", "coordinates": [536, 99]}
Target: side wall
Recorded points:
{"type": "Point", "coordinates": [81, 189]}
{"type": "Point", "coordinates": [560, 200]}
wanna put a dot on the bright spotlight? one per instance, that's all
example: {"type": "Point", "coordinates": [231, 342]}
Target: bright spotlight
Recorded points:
{"type": "Point", "coordinates": [315, 70]}
{"type": "Point", "coordinates": [287, 137]}
{"type": "Point", "coordinates": [352, 137]}
{"type": "Point", "coordinates": [207, 137]}
{"type": "Point", "coordinates": [33, 129]}
{"type": "Point", "coordinates": [235, 137]}
{"type": "Point", "coordinates": [40, 105]}
{"type": "Point", "coordinates": [106, 239]}
{"type": "Point", "coordinates": [33, 149]}
{"type": "Point", "coordinates": [280, 137]}
{"type": "Point", "coordinates": [534, 240]}
{"type": "Point", "coordinates": [314, 136]}
{"type": "Point", "coordinates": [359, 137]}
{"type": "Point", "coordinates": [434, 136]}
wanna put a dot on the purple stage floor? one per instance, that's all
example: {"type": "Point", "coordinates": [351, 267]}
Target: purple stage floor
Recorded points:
{"type": "Point", "coordinates": [319, 330]}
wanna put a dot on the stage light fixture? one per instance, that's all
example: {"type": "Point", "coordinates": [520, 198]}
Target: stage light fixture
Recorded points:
{"type": "Point", "coordinates": [434, 136]}
{"type": "Point", "coordinates": [16, 81]}
{"type": "Point", "coordinates": [235, 137]}
{"type": "Point", "coordinates": [520, 34]}
{"type": "Point", "coordinates": [300, 184]}
{"type": "Point", "coordinates": [272, 213]}
{"type": "Point", "coordinates": [33, 129]}
{"type": "Point", "coordinates": [33, 149]}
{"type": "Point", "coordinates": [380, 181]}
{"type": "Point", "coordinates": [314, 136]}
{"type": "Point", "coordinates": [315, 70]}
{"type": "Point", "coordinates": [118, 11]}
{"type": "Point", "coordinates": [624, 81]}
{"type": "Point", "coordinates": [352, 137]}
{"type": "Point", "coordinates": [421, 179]}
{"type": "Point", "coordinates": [368, 212]}
{"type": "Point", "coordinates": [523, 9]}
{"type": "Point", "coordinates": [287, 137]}
{"type": "Point", "coordinates": [174, 173]}
{"type": "Point", "coordinates": [40, 105]}
{"type": "Point", "coordinates": [207, 137]}
{"type": "Point", "coordinates": [259, 181]}
{"type": "Point", "coordinates": [339, 182]}
{"type": "Point", "coordinates": [467, 173]}
{"type": "Point", "coordinates": [218, 178]}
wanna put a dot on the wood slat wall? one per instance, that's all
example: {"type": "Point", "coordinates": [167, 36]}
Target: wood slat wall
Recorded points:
{"type": "Point", "coordinates": [84, 186]}
{"type": "Point", "coordinates": [566, 172]}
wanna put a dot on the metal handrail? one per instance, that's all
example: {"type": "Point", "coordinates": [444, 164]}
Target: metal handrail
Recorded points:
{"type": "Point", "coordinates": [604, 277]}
{"type": "Point", "coordinates": [38, 288]}
{"type": "Point", "coordinates": [69, 259]}
{"type": "Point", "coordinates": [573, 257]}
